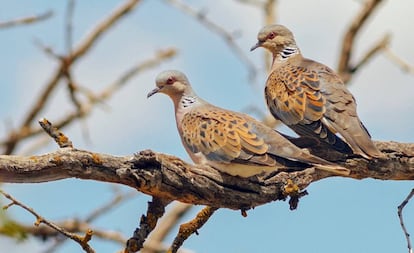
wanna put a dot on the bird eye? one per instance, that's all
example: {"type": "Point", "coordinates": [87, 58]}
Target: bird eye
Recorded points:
{"type": "Point", "coordinates": [271, 35]}
{"type": "Point", "coordinates": [170, 80]}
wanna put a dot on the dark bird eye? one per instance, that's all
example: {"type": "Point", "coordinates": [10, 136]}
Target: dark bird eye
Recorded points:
{"type": "Point", "coordinates": [271, 35]}
{"type": "Point", "coordinates": [170, 80]}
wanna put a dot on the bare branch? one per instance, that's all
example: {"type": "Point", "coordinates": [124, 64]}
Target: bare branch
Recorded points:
{"type": "Point", "coordinates": [81, 240]}
{"type": "Point", "coordinates": [71, 226]}
{"type": "Point", "coordinates": [60, 138]}
{"type": "Point", "coordinates": [69, 26]}
{"type": "Point", "coordinates": [156, 209]}
{"type": "Point", "coordinates": [201, 17]}
{"type": "Point", "coordinates": [81, 225]}
{"type": "Point", "coordinates": [103, 27]}
{"type": "Point", "coordinates": [379, 46]}
{"type": "Point", "coordinates": [168, 222]}
{"type": "Point", "coordinates": [86, 107]}
{"type": "Point", "coordinates": [168, 177]}
{"type": "Point", "coordinates": [405, 66]}
{"type": "Point", "coordinates": [344, 65]}
{"type": "Point", "coordinates": [269, 9]}
{"type": "Point", "coordinates": [26, 20]}
{"type": "Point", "coordinates": [191, 227]}
{"type": "Point", "coordinates": [63, 69]}
{"type": "Point", "coordinates": [400, 216]}
{"type": "Point", "coordinates": [252, 2]}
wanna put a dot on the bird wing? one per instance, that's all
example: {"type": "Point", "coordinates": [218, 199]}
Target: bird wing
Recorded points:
{"type": "Point", "coordinates": [224, 136]}
{"type": "Point", "coordinates": [341, 114]}
{"type": "Point", "coordinates": [293, 94]}
{"type": "Point", "coordinates": [298, 94]}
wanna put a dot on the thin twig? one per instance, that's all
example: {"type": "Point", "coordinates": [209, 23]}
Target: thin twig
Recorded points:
{"type": "Point", "coordinates": [86, 107]}
{"type": "Point", "coordinates": [270, 12]}
{"type": "Point", "coordinates": [252, 2]}
{"type": "Point", "coordinates": [102, 27]}
{"type": "Point", "coordinates": [109, 91]}
{"type": "Point", "coordinates": [113, 236]}
{"type": "Point", "coordinates": [159, 56]}
{"type": "Point", "coordinates": [405, 66]}
{"type": "Point", "coordinates": [344, 65]}
{"type": "Point", "coordinates": [69, 26]}
{"type": "Point", "coordinates": [201, 17]}
{"type": "Point", "coordinates": [60, 138]}
{"type": "Point", "coordinates": [400, 216]}
{"type": "Point", "coordinates": [191, 227]}
{"type": "Point", "coordinates": [66, 62]}
{"type": "Point", "coordinates": [379, 46]}
{"type": "Point", "coordinates": [81, 240]}
{"type": "Point", "coordinates": [26, 20]}
{"type": "Point", "coordinates": [154, 242]}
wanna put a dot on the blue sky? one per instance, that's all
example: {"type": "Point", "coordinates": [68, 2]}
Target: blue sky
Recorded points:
{"type": "Point", "coordinates": [340, 215]}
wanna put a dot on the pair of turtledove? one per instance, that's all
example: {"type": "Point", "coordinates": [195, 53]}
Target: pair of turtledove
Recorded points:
{"type": "Point", "coordinates": [305, 95]}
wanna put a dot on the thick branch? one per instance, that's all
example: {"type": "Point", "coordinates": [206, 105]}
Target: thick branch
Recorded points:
{"type": "Point", "coordinates": [168, 177]}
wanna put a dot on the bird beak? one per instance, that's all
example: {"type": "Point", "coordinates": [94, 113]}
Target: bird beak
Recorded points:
{"type": "Point", "coordinates": [156, 90]}
{"type": "Point", "coordinates": [258, 44]}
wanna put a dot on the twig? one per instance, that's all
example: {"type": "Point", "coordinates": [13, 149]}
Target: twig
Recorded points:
{"type": "Point", "coordinates": [67, 73]}
{"type": "Point", "coordinates": [201, 17]}
{"type": "Point", "coordinates": [66, 62]}
{"type": "Point", "coordinates": [400, 216]}
{"type": "Point", "coordinates": [405, 66]}
{"type": "Point", "coordinates": [86, 107]}
{"type": "Point", "coordinates": [26, 20]}
{"type": "Point", "coordinates": [79, 226]}
{"type": "Point", "coordinates": [156, 209]}
{"type": "Point", "coordinates": [60, 138]}
{"type": "Point", "coordinates": [379, 46]}
{"type": "Point", "coordinates": [252, 2]}
{"type": "Point", "coordinates": [159, 56]}
{"type": "Point", "coordinates": [69, 26]}
{"type": "Point", "coordinates": [73, 226]}
{"type": "Point", "coordinates": [191, 227]}
{"type": "Point", "coordinates": [269, 9]}
{"type": "Point", "coordinates": [168, 222]}
{"type": "Point", "coordinates": [102, 27]}
{"type": "Point", "coordinates": [82, 240]}
{"type": "Point", "coordinates": [344, 65]}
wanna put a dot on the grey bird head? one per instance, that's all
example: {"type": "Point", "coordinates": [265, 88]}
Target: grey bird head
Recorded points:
{"type": "Point", "coordinates": [274, 38]}
{"type": "Point", "coordinates": [170, 82]}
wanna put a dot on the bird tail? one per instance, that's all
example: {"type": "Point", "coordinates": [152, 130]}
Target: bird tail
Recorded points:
{"type": "Point", "coordinates": [320, 131]}
{"type": "Point", "coordinates": [324, 165]}
{"type": "Point", "coordinates": [360, 141]}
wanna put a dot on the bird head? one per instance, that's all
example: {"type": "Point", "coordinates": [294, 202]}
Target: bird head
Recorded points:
{"type": "Point", "coordinates": [172, 83]}
{"type": "Point", "coordinates": [274, 38]}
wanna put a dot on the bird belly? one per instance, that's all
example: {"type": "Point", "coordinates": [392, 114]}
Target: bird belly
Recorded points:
{"type": "Point", "coordinates": [241, 170]}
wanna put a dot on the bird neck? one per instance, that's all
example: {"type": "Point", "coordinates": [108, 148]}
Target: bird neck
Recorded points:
{"type": "Point", "coordinates": [286, 52]}
{"type": "Point", "coordinates": [185, 102]}
{"type": "Point", "coordinates": [183, 105]}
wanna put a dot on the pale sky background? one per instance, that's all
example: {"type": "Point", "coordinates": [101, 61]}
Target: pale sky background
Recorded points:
{"type": "Point", "coordinates": [339, 215]}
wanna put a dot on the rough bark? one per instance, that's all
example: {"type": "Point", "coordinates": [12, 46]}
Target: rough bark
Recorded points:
{"type": "Point", "coordinates": [168, 177]}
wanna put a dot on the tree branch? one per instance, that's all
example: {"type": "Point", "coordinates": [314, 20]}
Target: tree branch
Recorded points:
{"type": "Point", "coordinates": [191, 227]}
{"type": "Point", "coordinates": [168, 177]}
{"type": "Point", "coordinates": [26, 20]}
{"type": "Point", "coordinates": [154, 241]}
{"type": "Point", "coordinates": [229, 38]}
{"type": "Point", "coordinates": [344, 66]}
{"type": "Point", "coordinates": [81, 240]}
{"type": "Point", "coordinates": [65, 64]}
{"type": "Point", "coordinates": [400, 216]}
